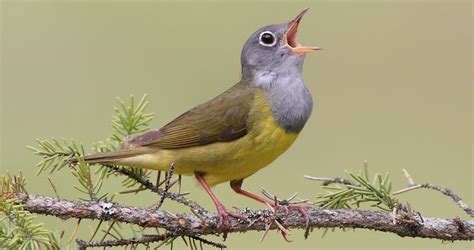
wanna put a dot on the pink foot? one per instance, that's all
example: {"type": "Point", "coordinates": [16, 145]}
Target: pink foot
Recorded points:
{"type": "Point", "coordinates": [302, 208]}
{"type": "Point", "coordinates": [224, 215]}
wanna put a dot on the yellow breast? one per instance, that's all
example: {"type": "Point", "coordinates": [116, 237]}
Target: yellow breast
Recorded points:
{"type": "Point", "coordinates": [226, 161]}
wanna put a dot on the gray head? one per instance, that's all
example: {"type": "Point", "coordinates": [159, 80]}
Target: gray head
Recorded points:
{"type": "Point", "coordinates": [272, 60]}
{"type": "Point", "coordinates": [274, 48]}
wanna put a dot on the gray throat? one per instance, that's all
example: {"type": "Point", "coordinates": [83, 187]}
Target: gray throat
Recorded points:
{"type": "Point", "coordinates": [289, 99]}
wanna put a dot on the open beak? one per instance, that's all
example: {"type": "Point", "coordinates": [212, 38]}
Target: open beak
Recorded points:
{"type": "Point", "coordinates": [290, 36]}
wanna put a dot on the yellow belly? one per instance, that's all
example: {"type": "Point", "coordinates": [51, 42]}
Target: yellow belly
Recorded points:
{"type": "Point", "coordinates": [226, 161]}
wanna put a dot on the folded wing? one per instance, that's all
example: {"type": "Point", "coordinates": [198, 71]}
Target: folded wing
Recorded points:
{"type": "Point", "coordinates": [221, 119]}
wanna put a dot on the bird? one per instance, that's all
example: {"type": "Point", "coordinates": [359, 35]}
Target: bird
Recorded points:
{"type": "Point", "coordinates": [237, 133]}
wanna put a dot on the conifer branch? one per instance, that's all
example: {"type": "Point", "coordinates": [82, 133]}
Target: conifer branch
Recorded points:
{"type": "Point", "coordinates": [190, 225]}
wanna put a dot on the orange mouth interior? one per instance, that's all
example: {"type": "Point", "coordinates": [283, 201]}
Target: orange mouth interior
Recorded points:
{"type": "Point", "coordinates": [290, 36]}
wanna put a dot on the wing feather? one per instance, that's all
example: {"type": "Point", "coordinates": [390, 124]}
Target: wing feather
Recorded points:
{"type": "Point", "coordinates": [221, 119]}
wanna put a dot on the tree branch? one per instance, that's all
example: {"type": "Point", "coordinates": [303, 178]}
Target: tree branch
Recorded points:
{"type": "Point", "coordinates": [258, 220]}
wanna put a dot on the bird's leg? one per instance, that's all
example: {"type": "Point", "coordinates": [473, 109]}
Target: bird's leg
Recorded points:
{"type": "Point", "coordinates": [237, 187]}
{"type": "Point", "coordinates": [222, 211]}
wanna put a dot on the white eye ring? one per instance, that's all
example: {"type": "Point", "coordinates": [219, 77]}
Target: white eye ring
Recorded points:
{"type": "Point", "coordinates": [267, 44]}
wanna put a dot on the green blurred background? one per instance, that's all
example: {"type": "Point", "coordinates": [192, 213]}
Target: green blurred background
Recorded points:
{"type": "Point", "coordinates": [392, 85]}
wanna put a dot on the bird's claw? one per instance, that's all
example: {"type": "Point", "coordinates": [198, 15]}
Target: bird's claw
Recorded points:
{"type": "Point", "coordinates": [224, 214]}
{"type": "Point", "coordinates": [302, 208]}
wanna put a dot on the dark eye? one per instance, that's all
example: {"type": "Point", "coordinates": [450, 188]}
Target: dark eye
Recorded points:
{"type": "Point", "coordinates": [267, 38]}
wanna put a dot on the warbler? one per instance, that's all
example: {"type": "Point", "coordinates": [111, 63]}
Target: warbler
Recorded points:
{"type": "Point", "coordinates": [240, 131]}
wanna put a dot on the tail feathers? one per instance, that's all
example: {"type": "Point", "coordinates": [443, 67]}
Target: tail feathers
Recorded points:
{"type": "Point", "coordinates": [113, 156]}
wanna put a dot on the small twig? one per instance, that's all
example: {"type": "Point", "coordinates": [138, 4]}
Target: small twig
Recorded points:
{"type": "Point", "coordinates": [133, 190]}
{"type": "Point", "coordinates": [166, 240]}
{"type": "Point", "coordinates": [454, 197]}
{"type": "Point", "coordinates": [413, 187]}
{"type": "Point", "coordinates": [96, 230]}
{"type": "Point", "coordinates": [121, 242]}
{"type": "Point", "coordinates": [74, 232]}
{"type": "Point", "coordinates": [326, 181]}
{"type": "Point", "coordinates": [148, 185]}
{"type": "Point", "coordinates": [208, 242]}
{"type": "Point", "coordinates": [110, 234]}
{"type": "Point", "coordinates": [54, 188]}
{"type": "Point", "coordinates": [408, 176]}
{"type": "Point", "coordinates": [21, 183]}
{"type": "Point", "coordinates": [287, 201]}
{"type": "Point", "coordinates": [267, 229]}
{"type": "Point", "coordinates": [184, 240]}
{"type": "Point", "coordinates": [448, 192]}
{"type": "Point", "coordinates": [194, 243]}
{"type": "Point", "coordinates": [410, 212]}
{"type": "Point", "coordinates": [167, 185]}
{"type": "Point", "coordinates": [108, 231]}
{"type": "Point", "coordinates": [121, 170]}
{"type": "Point", "coordinates": [394, 215]}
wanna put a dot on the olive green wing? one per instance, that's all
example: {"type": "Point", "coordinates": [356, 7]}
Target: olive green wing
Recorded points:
{"type": "Point", "coordinates": [221, 119]}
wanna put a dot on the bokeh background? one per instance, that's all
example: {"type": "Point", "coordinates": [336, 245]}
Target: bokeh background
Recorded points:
{"type": "Point", "coordinates": [392, 85]}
